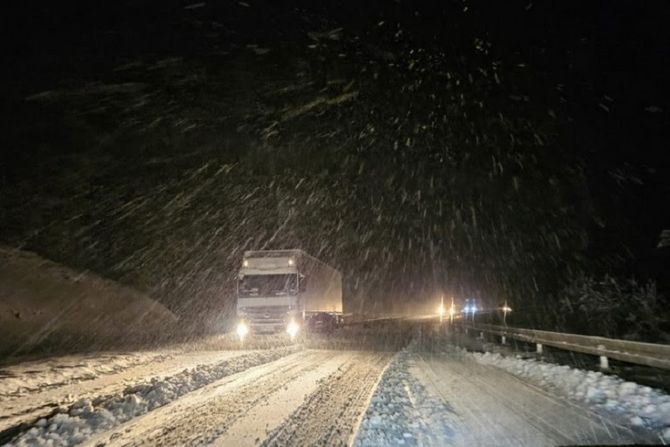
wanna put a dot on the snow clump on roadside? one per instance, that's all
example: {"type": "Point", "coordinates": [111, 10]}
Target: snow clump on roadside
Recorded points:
{"type": "Point", "coordinates": [401, 411]}
{"type": "Point", "coordinates": [640, 405]}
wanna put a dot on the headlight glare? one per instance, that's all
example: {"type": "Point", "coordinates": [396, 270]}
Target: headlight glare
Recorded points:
{"type": "Point", "coordinates": [292, 329]}
{"type": "Point", "coordinates": [242, 330]}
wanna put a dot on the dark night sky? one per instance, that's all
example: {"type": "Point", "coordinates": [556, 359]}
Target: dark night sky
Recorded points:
{"type": "Point", "coordinates": [601, 67]}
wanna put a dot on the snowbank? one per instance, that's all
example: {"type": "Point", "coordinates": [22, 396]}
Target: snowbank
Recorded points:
{"type": "Point", "coordinates": [402, 412]}
{"type": "Point", "coordinates": [44, 306]}
{"type": "Point", "coordinates": [639, 404]}
{"type": "Point", "coordinates": [85, 418]}
{"type": "Point", "coordinates": [28, 377]}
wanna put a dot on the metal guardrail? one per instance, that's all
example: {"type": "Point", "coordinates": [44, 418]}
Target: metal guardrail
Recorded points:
{"type": "Point", "coordinates": [649, 354]}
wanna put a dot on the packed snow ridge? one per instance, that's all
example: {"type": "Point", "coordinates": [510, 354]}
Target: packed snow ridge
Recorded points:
{"type": "Point", "coordinates": [86, 417]}
{"type": "Point", "coordinates": [28, 377]}
{"type": "Point", "coordinates": [402, 412]}
{"type": "Point", "coordinates": [641, 405]}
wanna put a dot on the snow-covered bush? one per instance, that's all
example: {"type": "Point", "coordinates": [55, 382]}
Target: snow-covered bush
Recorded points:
{"type": "Point", "coordinates": [613, 308]}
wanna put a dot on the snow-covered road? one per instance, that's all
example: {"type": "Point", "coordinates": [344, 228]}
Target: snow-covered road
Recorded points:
{"type": "Point", "coordinates": [35, 389]}
{"type": "Point", "coordinates": [492, 407]}
{"type": "Point", "coordinates": [301, 399]}
{"type": "Point", "coordinates": [297, 396]}
{"type": "Point", "coordinates": [450, 399]}
{"type": "Point", "coordinates": [280, 396]}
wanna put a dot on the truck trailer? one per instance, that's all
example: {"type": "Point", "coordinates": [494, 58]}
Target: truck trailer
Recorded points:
{"type": "Point", "coordinates": [280, 290]}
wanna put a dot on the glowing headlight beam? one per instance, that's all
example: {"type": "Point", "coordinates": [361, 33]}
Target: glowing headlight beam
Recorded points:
{"type": "Point", "coordinates": [242, 330]}
{"type": "Point", "coordinates": [292, 329]}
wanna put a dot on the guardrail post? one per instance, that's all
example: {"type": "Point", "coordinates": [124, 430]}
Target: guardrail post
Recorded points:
{"type": "Point", "coordinates": [538, 348]}
{"type": "Point", "coordinates": [604, 361]}
{"type": "Point", "coordinates": [502, 339]}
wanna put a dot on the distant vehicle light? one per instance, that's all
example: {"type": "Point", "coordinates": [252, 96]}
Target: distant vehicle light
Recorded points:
{"type": "Point", "coordinates": [292, 329]}
{"type": "Point", "coordinates": [291, 261]}
{"type": "Point", "coordinates": [245, 263]}
{"type": "Point", "coordinates": [441, 311]}
{"type": "Point", "coordinates": [242, 330]}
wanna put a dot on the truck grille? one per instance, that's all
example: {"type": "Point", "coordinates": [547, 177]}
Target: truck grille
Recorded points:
{"type": "Point", "coordinates": [265, 314]}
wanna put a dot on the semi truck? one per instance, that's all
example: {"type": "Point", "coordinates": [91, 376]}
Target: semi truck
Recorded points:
{"type": "Point", "coordinates": [282, 290]}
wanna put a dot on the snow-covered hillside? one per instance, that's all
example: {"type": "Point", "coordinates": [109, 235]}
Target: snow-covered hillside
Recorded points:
{"type": "Point", "coordinates": [46, 306]}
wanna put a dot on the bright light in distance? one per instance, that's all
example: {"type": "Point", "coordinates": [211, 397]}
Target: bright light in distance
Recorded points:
{"type": "Point", "coordinates": [245, 263]}
{"type": "Point", "coordinates": [470, 309]}
{"type": "Point", "coordinates": [242, 330]}
{"type": "Point", "coordinates": [452, 311]}
{"type": "Point", "coordinates": [291, 261]}
{"type": "Point", "coordinates": [292, 329]}
{"type": "Point", "coordinates": [441, 311]}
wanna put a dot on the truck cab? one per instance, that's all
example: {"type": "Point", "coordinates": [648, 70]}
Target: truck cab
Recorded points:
{"type": "Point", "coordinates": [276, 289]}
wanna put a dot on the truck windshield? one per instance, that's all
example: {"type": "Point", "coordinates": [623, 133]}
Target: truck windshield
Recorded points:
{"type": "Point", "coordinates": [268, 285]}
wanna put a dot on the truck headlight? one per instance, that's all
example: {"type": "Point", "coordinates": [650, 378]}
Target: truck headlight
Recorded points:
{"type": "Point", "coordinates": [242, 330]}
{"type": "Point", "coordinates": [292, 329]}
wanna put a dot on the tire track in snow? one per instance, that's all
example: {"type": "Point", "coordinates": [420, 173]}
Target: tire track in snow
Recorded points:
{"type": "Point", "coordinates": [330, 415]}
{"type": "Point", "coordinates": [207, 415]}
{"type": "Point", "coordinates": [49, 390]}
{"type": "Point", "coordinates": [86, 418]}
{"type": "Point", "coordinates": [402, 412]}
{"type": "Point", "coordinates": [514, 413]}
